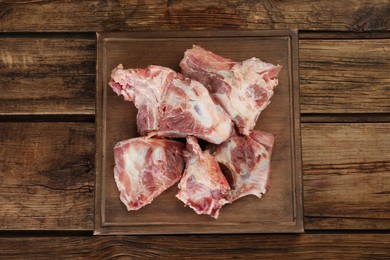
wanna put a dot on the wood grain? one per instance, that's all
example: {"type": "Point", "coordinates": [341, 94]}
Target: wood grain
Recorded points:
{"type": "Point", "coordinates": [46, 176]}
{"type": "Point", "coordinates": [46, 168]}
{"type": "Point", "coordinates": [345, 76]}
{"type": "Point", "coordinates": [305, 246]}
{"type": "Point", "coordinates": [91, 16]}
{"type": "Point", "coordinates": [47, 74]}
{"type": "Point", "coordinates": [346, 175]}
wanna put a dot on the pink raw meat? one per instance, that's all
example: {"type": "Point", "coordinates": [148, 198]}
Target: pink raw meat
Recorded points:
{"type": "Point", "coordinates": [203, 186]}
{"type": "Point", "coordinates": [243, 89]}
{"type": "Point", "coordinates": [171, 105]}
{"type": "Point", "coordinates": [246, 163]}
{"type": "Point", "coordinates": [145, 167]}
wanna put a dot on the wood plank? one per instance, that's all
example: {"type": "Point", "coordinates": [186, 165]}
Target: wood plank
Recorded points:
{"type": "Point", "coordinates": [346, 175]}
{"type": "Point", "coordinates": [47, 74]}
{"type": "Point", "coordinates": [345, 76]}
{"type": "Point", "coordinates": [91, 16]}
{"type": "Point", "coordinates": [346, 118]}
{"type": "Point", "coordinates": [55, 74]}
{"type": "Point", "coordinates": [326, 35]}
{"type": "Point", "coordinates": [305, 246]}
{"type": "Point", "coordinates": [47, 176]}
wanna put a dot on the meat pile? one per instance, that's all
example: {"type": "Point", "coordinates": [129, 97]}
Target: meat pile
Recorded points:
{"type": "Point", "coordinates": [213, 99]}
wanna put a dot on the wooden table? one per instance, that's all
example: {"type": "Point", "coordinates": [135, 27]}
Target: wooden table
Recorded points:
{"type": "Point", "coordinates": [47, 114]}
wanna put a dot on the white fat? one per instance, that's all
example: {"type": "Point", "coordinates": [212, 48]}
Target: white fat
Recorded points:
{"type": "Point", "coordinates": [226, 154]}
{"type": "Point", "coordinates": [135, 160]}
{"type": "Point", "coordinates": [206, 112]}
{"type": "Point", "coordinates": [202, 113]}
{"type": "Point", "coordinates": [119, 75]}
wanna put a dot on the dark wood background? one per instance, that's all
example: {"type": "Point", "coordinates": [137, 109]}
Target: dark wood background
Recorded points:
{"type": "Point", "coordinates": [47, 129]}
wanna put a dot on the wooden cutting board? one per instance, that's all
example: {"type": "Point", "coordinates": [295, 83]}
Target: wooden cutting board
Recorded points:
{"type": "Point", "coordinates": [280, 210]}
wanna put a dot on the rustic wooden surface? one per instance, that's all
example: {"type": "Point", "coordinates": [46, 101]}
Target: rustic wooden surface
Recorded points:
{"type": "Point", "coordinates": [47, 140]}
{"type": "Point", "coordinates": [308, 246]}
{"type": "Point", "coordinates": [345, 15]}
{"type": "Point", "coordinates": [35, 79]}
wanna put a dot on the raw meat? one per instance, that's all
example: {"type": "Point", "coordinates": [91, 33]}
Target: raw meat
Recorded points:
{"type": "Point", "coordinates": [245, 161]}
{"type": "Point", "coordinates": [203, 186]}
{"type": "Point", "coordinates": [145, 167]}
{"type": "Point", "coordinates": [171, 105]}
{"type": "Point", "coordinates": [243, 89]}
